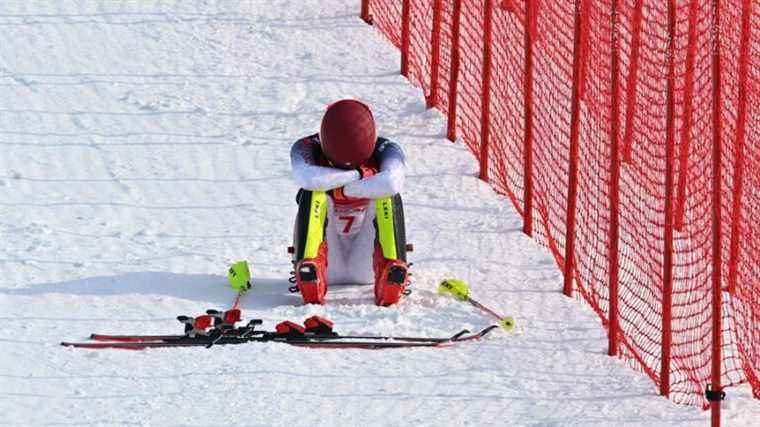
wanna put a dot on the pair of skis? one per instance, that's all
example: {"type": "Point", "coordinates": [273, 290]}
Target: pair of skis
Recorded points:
{"type": "Point", "coordinates": [217, 328]}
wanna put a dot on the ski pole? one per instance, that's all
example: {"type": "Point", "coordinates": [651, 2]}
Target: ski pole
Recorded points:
{"type": "Point", "coordinates": [461, 291]}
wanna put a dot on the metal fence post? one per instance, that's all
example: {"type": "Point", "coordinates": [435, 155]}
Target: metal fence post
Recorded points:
{"type": "Point", "coordinates": [451, 132]}
{"type": "Point", "coordinates": [572, 180]}
{"type": "Point", "coordinates": [614, 191]}
{"type": "Point", "coordinates": [485, 113]}
{"type": "Point", "coordinates": [405, 17]}
{"type": "Point", "coordinates": [667, 286]}
{"type": "Point", "coordinates": [435, 55]}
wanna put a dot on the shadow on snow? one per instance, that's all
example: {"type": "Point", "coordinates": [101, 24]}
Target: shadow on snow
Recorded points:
{"type": "Point", "coordinates": [211, 290]}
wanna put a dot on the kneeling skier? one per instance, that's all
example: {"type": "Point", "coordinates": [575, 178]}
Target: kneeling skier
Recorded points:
{"type": "Point", "coordinates": [350, 223]}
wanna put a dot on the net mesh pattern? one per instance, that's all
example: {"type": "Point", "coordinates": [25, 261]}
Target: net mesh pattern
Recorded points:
{"type": "Point", "coordinates": [646, 36]}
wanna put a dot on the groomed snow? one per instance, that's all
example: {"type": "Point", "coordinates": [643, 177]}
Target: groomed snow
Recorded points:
{"type": "Point", "coordinates": [145, 146]}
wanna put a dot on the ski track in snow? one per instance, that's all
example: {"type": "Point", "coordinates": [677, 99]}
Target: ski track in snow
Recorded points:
{"type": "Point", "coordinates": [145, 145]}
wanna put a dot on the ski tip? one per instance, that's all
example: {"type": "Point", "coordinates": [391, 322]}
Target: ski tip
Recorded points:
{"type": "Point", "coordinates": [507, 323]}
{"type": "Point", "coordinates": [459, 334]}
{"type": "Point", "coordinates": [488, 329]}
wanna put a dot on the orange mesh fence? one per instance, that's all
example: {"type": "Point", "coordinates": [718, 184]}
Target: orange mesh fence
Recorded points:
{"type": "Point", "coordinates": [420, 50]}
{"type": "Point", "coordinates": [506, 158]}
{"type": "Point", "coordinates": [387, 19]}
{"type": "Point", "coordinates": [546, 133]}
{"type": "Point", "coordinates": [740, 31]}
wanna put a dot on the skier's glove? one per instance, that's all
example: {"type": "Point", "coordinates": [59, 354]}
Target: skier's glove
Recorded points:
{"type": "Point", "coordinates": [337, 194]}
{"type": "Point", "coordinates": [366, 171]}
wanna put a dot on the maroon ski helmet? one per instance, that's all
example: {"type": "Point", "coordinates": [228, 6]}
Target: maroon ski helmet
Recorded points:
{"type": "Point", "coordinates": [348, 133]}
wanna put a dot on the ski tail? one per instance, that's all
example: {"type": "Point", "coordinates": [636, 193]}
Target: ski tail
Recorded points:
{"type": "Point", "coordinates": [105, 345]}
{"type": "Point", "coordinates": [132, 338]}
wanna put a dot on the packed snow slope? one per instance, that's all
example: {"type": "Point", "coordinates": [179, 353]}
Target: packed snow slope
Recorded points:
{"type": "Point", "coordinates": [145, 147]}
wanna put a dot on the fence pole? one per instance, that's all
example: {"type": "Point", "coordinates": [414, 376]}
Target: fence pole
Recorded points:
{"type": "Point", "coordinates": [686, 121]}
{"type": "Point", "coordinates": [405, 17]}
{"type": "Point", "coordinates": [572, 191]}
{"type": "Point", "coordinates": [667, 285]}
{"type": "Point", "coordinates": [614, 192]}
{"type": "Point", "coordinates": [741, 119]}
{"type": "Point", "coordinates": [717, 249]}
{"type": "Point", "coordinates": [365, 12]}
{"type": "Point", "coordinates": [631, 82]}
{"type": "Point", "coordinates": [529, 28]}
{"type": "Point", "coordinates": [451, 132]}
{"type": "Point", "coordinates": [485, 112]}
{"type": "Point", "coordinates": [435, 60]}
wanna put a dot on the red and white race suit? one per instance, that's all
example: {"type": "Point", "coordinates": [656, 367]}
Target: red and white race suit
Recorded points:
{"type": "Point", "coordinates": [350, 230]}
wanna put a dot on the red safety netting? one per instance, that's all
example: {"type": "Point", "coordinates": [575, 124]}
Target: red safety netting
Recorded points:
{"type": "Point", "coordinates": [388, 21]}
{"type": "Point", "coordinates": [740, 32]}
{"type": "Point", "coordinates": [420, 50]}
{"type": "Point", "coordinates": [506, 154]}
{"type": "Point", "coordinates": [665, 132]}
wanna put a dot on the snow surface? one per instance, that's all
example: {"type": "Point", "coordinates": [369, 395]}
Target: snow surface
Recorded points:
{"type": "Point", "coordinates": [145, 146]}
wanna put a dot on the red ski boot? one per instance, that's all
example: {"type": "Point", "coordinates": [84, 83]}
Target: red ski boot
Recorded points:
{"type": "Point", "coordinates": [311, 277]}
{"type": "Point", "coordinates": [391, 278]}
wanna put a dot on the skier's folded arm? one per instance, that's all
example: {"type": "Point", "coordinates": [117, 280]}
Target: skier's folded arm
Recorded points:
{"type": "Point", "coordinates": [310, 176]}
{"type": "Point", "coordinates": [388, 182]}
